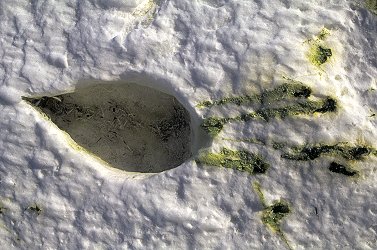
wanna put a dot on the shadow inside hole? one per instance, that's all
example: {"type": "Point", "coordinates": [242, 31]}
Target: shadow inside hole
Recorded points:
{"type": "Point", "coordinates": [132, 127]}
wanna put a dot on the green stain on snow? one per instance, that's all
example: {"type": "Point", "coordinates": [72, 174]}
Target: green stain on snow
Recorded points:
{"type": "Point", "coordinates": [258, 189]}
{"type": "Point", "coordinates": [319, 53]}
{"type": "Point", "coordinates": [284, 91]}
{"type": "Point", "coordinates": [312, 152]}
{"type": "Point", "coordinates": [341, 169]}
{"type": "Point", "coordinates": [2, 209]}
{"type": "Point", "coordinates": [35, 208]}
{"type": "Point", "coordinates": [274, 214]}
{"type": "Point", "coordinates": [300, 107]}
{"type": "Point", "coordinates": [343, 150]}
{"type": "Point", "coordinates": [239, 160]}
{"type": "Point", "coordinates": [238, 100]}
{"type": "Point", "coordinates": [371, 6]}
{"type": "Point", "coordinates": [288, 99]}
{"type": "Point", "coordinates": [277, 145]}
{"type": "Point", "coordinates": [323, 34]}
{"type": "Point", "coordinates": [307, 153]}
{"type": "Point", "coordinates": [214, 125]}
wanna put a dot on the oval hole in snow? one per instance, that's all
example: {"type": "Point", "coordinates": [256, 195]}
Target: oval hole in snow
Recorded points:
{"type": "Point", "coordinates": [132, 127]}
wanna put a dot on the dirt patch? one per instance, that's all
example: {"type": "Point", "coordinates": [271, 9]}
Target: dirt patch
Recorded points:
{"type": "Point", "coordinates": [131, 127]}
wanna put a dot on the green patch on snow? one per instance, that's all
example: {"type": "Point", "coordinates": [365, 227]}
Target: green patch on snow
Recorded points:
{"type": "Point", "coordinates": [343, 150]}
{"type": "Point", "coordinates": [277, 145]}
{"type": "Point", "coordinates": [285, 91]}
{"type": "Point", "coordinates": [274, 214]}
{"type": "Point", "coordinates": [288, 99]}
{"type": "Point", "coordinates": [204, 104]}
{"type": "Point", "coordinates": [238, 100]}
{"type": "Point", "coordinates": [2, 209]}
{"type": "Point", "coordinates": [308, 153]}
{"type": "Point", "coordinates": [300, 107]}
{"type": "Point", "coordinates": [148, 11]}
{"type": "Point", "coordinates": [258, 189]}
{"type": "Point", "coordinates": [214, 125]}
{"type": "Point", "coordinates": [282, 92]}
{"type": "Point", "coordinates": [323, 34]}
{"type": "Point", "coordinates": [319, 53]}
{"type": "Point", "coordinates": [341, 169]}
{"type": "Point", "coordinates": [239, 160]}
{"type": "Point", "coordinates": [371, 6]}
{"type": "Point", "coordinates": [144, 8]}
{"type": "Point", "coordinates": [35, 209]}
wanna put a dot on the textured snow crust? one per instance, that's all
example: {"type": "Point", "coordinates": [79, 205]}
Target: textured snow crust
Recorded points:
{"type": "Point", "coordinates": [195, 50]}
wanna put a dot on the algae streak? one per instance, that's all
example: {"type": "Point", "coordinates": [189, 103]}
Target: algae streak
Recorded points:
{"type": "Point", "coordinates": [214, 125]}
{"type": "Point", "coordinates": [312, 152]}
{"type": "Point", "coordinates": [282, 92]}
{"type": "Point", "coordinates": [273, 215]}
{"type": "Point", "coordinates": [239, 160]}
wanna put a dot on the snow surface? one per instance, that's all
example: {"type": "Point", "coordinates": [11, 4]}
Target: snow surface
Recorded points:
{"type": "Point", "coordinates": [195, 50]}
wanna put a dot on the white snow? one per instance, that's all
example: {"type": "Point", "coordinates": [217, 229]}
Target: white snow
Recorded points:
{"type": "Point", "coordinates": [197, 51]}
